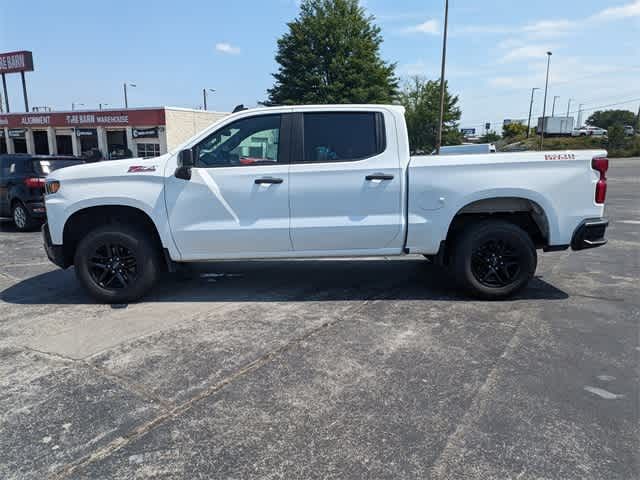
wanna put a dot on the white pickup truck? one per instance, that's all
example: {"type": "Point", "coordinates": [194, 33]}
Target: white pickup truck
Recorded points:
{"type": "Point", "coordinates": [321, 181]}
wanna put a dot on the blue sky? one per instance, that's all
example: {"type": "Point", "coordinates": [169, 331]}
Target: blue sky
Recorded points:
{"type": "Point", "coordinates": [84, 51]}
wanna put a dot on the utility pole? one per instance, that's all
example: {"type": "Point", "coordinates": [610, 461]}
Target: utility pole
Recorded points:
{"type": "Point", "coordinates": [544, 106]}
{"type": "Point", "coordinates": [530, 109]}
{"type": "Point", "coordinates": [580, 115]}
{"type": "Point", "coordinates": [553, 109]}
{"type": "Point", "coordinates": [442, 71]}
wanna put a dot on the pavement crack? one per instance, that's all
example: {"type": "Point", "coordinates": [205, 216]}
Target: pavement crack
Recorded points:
{"type": "Point", "coordinates": [184, 407]}
{"type": "Point", "coordinates": [134, 388]}
{"type": "Point", "coordinates": [476, 403]}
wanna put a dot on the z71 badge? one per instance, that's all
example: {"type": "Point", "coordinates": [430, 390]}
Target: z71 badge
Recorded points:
{"type": "Point", "coordinates": [141, 169]}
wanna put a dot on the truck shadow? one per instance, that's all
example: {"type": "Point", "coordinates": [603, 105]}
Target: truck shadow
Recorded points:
{"type": "Point", "coordinates": [279, 281]}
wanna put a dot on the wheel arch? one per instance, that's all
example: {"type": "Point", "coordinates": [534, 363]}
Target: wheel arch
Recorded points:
{"type": "Point", "coordinates": [83, 220]}
{"type": "Point", "coordinates": [528, 210]}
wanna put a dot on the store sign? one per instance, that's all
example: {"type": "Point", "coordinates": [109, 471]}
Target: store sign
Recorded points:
{"type": "Point", "coordinates": [16, 132]}
{"type": "Point", "coordinates": [145, 132]}
{"type": "Point", "coordinates": [121, 118]}
{"type": "Point", "coordinates": [86, 132]}
{"type": "Point", "coordinates": [468, 131]}
{"type": "Point", "coordinates": [11, 62]}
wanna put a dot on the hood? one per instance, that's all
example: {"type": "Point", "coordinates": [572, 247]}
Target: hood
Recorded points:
{"type": "Point", "coordinates": [112, 168]}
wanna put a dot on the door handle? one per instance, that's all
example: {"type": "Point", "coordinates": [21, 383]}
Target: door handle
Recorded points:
{"type": "Point", "coordinates": [378, 176]}
{"type": "Point", "coordinates": [267, 180]}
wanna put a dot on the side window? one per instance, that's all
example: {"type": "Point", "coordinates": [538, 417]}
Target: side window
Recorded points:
{"type": "Point", "coordinates": [245, 142]}
{"type": "Point", "coordinates": [338, 136]}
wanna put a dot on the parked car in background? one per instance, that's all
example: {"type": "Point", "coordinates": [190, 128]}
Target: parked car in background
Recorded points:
{"type": "Point", "coordinates": [22, 179]}
{"type": "Point", "coordinates": [589, 131]}
{"type": "Point", "coordinates": [629, 130]}
{"type": "Point", "coordinates": [321, 181]}
{"type": "Point", "coordinates": [467, 148]}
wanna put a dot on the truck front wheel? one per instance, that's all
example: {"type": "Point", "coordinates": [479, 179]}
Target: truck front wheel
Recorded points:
{"type": "Point", "coordinates": [116, 263]}
{"type": "Point", "coordinates": [494, 259]}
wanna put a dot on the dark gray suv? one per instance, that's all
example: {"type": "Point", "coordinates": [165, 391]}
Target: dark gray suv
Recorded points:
{"type": "Point", "coordinates": [22, 179]}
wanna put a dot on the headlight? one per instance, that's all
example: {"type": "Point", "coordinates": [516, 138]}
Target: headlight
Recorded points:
{"type": "Point", "coordinates": [52, 186]}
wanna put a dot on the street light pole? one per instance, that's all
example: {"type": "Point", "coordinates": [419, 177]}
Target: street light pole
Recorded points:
{"type": "Point", "coordinates": [553, 109]}
{"type": "Point", "coordinates": [530, 109]}
{"type": "Point", "coordinates": [204, 96]}
{"type": "Point", "coordinates": [442, 71]}
{"type": "Point", "coordinates": [100, 105]}
{"type": "Point", "coordinates": [544, 107]}
{"type": "Point", "coordinates": [124, 86]}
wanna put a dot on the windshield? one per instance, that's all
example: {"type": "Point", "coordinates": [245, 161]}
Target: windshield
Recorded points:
{"type": "Point", "coordinates": [44, 167]}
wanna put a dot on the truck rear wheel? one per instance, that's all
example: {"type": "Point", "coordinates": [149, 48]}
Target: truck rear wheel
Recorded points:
{"type": "Point", "coordinates": [116, 263]}
{"type": "Point", "coordinates": [494, 259]}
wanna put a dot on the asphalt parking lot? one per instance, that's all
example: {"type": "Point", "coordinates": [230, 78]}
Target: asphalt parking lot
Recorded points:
{"type": "Point", "coordinates": [327, 369]}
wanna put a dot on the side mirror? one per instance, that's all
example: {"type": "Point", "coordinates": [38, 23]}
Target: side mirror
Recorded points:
{"type": "Point", "coordinates": [185, 162]}
{"type": "Point", "coordinates": [185, 158]}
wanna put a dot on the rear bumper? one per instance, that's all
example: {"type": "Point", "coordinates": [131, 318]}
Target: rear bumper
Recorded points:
{"type": "Point", "coordinates": [54, 252]}
{"type": "Point", "coordinates": [590, 234]}
{"type": "Point", "coordinates": [36, 209]}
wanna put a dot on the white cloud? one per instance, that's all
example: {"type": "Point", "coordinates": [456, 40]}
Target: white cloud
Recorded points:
{"type": "Point", "coordinates": [525, 52]}
{"type": "Point", "coordinates": [227, 48]}
{"type": "Point", "coordinates": [548, 28]}
{"type": "Point", "coordinates": [615, 13]}
{"type": "Point", "coordinates": [554, 27]}
{"type": "Point", "coordinates": [431, 27]}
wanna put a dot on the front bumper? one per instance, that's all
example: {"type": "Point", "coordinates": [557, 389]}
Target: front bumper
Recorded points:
{"type": "Point", "coordinates": [54, 252]}
{"type": "Point", "coordinates": [590, 234]}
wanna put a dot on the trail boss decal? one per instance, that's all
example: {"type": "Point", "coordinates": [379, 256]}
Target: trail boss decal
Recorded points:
{"type": "Point", "coordinates": [559, 156]}
{"type": "Point", "coordinates": [141, 169]}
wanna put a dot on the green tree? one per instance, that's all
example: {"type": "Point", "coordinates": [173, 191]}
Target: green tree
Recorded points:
{"type": "Point", "coordinates": [489, 137]}
{"type": "Point", "coordinates": [608, 118]}
{"type": "Point", "coordinates": [331, 54]}
{"type": "Point", "coordinates": [513, 130]}
{"type": "Point", "coordinates": [616, 137]}
{"type": "Point", "coordinates": [421, 100]}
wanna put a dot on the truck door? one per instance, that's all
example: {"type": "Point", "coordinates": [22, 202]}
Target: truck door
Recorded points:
{"type": "Point", "coordinates": [345, 182]}
{"type": "Point", "coordinates": [237, 201]}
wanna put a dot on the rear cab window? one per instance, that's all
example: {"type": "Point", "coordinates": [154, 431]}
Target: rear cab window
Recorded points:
{"type": "Point", "coordinates": [46, 166]}
{"type": "Point", "coordinates": [342, 136]}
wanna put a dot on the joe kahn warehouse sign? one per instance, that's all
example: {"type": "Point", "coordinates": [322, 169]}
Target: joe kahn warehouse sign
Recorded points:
{"type": "Point", "coordinates": [13, 62]}
{"type": "Point", "coordinates": [16, 62]}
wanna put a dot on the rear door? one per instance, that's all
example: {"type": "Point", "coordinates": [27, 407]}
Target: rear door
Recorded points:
{"type": "Point", "coordinates": [345, 182]}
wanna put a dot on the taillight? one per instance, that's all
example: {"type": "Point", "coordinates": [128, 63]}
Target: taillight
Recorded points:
{"type": "Point", "coordinates": [601, 165]}
{"type": "Point", "coordinates": [34, 182]}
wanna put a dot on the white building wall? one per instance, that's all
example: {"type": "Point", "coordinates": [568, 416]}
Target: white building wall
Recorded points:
{"type": "Point", "coordinates": [182, 124]}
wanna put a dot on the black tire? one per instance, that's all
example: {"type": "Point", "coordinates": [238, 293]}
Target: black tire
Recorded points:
{"type": "Point", "coordinates": [126, 255]}
{"type": "Point", "coordinates": [494, 259]}
{"type": "Point", "coordinates": [22, 218]}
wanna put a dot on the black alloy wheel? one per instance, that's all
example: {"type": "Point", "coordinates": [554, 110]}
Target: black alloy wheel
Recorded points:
{"type": "Point", "coordinates": [117, 263]}
{"type": "Point", "coordinates": [493, 259]}
{"type": "Point", "coordinates": [113, 266]}
{"type": "Point", "coordinates": [496, 263]}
